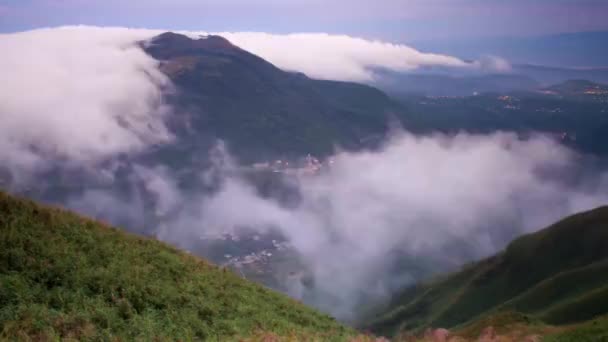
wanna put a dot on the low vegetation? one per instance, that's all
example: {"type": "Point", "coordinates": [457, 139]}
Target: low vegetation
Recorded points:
{"type": "Point", "coordinates": [63, 276]}
{"type": "Point", "coordinates": [557, 276]}
{"type": "Point", "coordinates": [595, 330]}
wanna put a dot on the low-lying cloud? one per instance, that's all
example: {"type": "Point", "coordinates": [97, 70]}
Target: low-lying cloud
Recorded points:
{"type": "Point", "coordinates": [366, 224]}
{"type": "Point", "coordinates": [440, 198]}
{"type": "Point", "coordinates": [78, 94]}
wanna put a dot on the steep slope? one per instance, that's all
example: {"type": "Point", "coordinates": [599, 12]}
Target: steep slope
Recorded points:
{"type": "Point", "coordinates": [64, 276]}
{"type": "Point", "coordinates": [558, 275]}
{"type": "Point", "coordinates": [226, 92]}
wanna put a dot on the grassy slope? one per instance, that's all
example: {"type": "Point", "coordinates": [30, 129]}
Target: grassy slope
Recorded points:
{"type": "Point", "coordinates": [595, 330]}
{"type": "Point", "coordinates": [557, 275]}
{"type": "Point", "coordinates": [511, 326]}
{"type": "Point", "coordinates": [62, 276]}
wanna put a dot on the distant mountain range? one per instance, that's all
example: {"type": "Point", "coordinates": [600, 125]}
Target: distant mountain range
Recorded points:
{"type": "Point", "coordinates": [574, 112]}
{"type": "Point", "coordinates": [522, 77]}
{"type": "Point", "coordinates": [578, 88]}
{"type": "Point", "coordinates": [550, 75]}
{"type": "Point", "coordinates": [582, 49]}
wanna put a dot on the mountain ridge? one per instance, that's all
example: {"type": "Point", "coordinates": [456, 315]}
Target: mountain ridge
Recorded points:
{"type": "Point", "coordinates": [533, 275]}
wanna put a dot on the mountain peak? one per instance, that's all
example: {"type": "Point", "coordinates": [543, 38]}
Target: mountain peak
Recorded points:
{"type": "Point", "coordinates": [170, 44]}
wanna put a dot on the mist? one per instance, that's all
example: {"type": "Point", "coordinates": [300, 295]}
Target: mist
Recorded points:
{"type": "Point", "coordinates": [440, 199]}
{"type": "Point", "coordinates": [77, 95]}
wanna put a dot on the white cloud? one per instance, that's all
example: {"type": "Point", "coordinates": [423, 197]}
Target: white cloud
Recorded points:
{"type": "Point", "coordinates": [77, 93]}
{"type": "Point", "coordinates": [438, 198]}
{"type": "Point", "coordinates": [337, 57]}
{"type": "Point", "coordinates": [492, 64]}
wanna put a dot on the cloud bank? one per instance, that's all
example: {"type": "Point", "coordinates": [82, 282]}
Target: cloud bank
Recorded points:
{"type": "Point", "coordinates": [338, 57]}
{"type": "Point", "coordinates": [78, 94]}
{"type": "Point", "coordinates": [439, 200]}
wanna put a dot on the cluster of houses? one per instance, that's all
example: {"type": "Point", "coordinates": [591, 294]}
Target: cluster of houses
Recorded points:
{"type": "Point", "coordinates": [255, 260]}
{"type": "Point", "coordinates": [308, 166]}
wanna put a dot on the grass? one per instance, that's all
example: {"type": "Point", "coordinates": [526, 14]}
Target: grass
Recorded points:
{"type": "Point", "coordinates": [595, 330]}
{"type": "Point", "coordinates": [510, 326]}
{"type": "Point", "coordinates": [505, 322]}
{"type": "Point", "coordinates": [556, 276]}
{"type": "Point", "coordinates": [63, 276]}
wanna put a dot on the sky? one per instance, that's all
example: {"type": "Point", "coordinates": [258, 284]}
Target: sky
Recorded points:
{"type": "Point", "coordinates": [389, 20]}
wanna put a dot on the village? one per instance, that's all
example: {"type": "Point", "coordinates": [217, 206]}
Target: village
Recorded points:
{"type": "Point", "coordinates": [309, 165]}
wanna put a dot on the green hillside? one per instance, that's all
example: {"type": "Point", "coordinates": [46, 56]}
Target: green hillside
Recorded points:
{"type": "Point", "coordinates": [595, 330]}
{"type": "Point", "coordinates": [65, 276]}
{"type": "Point", "coordinates": [556, 276]}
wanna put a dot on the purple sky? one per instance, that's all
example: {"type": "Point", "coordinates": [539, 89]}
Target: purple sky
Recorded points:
{"type": "Point", "coordinates": [395, 20]}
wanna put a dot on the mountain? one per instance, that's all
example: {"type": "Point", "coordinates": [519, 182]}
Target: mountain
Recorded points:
{"type": "Point", "coordinates": [260, 110]}
{"type": "Point", "coordinates": [63, 276]}
{"type": "Point", "coordinates": [558, 276]}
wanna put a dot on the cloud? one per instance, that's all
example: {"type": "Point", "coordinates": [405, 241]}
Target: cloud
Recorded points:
{"type": "Point", "coordinates": [78, 94]}
{"type": "Point", "coordinates": [492, 64]}
{"type": "Point", "coordinates": [337, 57]}
{"type": "Point", "coordinates": [438, 200]}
